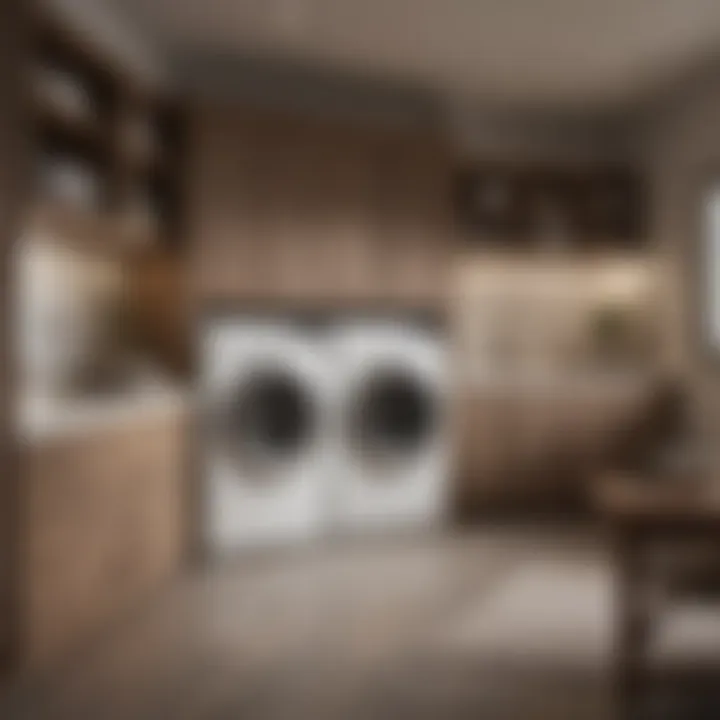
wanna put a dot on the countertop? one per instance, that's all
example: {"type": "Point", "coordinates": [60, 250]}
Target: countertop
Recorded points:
{"type": "Point", "coordinates": [42, 417]}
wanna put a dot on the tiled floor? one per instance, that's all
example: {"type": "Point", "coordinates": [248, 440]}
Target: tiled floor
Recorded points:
{"type": "Point", "coordinates": [499, 623]}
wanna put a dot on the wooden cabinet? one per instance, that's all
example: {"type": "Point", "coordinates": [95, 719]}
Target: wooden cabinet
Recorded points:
{"type": "Point", "coordinates": [102, 525]}
{"type": "Point", "coordinates": [289, 208]}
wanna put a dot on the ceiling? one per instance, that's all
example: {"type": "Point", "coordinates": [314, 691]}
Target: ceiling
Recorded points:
{"type": "Point", "coordinates": [560, 54]}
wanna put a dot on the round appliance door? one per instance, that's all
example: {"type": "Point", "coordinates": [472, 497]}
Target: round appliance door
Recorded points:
{"type": "Point", "coordinates": [394, 414]}
{"type": "Point", "coordinates": [268, 423]}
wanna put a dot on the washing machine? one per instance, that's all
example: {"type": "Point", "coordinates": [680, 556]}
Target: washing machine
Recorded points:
{"type": "Point", "coordinates": [266, 396]}
{"type": "Point", "coordinates": [394, 419]}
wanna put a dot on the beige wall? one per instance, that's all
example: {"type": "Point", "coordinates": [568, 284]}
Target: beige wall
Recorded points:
{"type": "Point", "coordinates": [473, 128]}
{"type": "Point", "coordinates": [679, 145]}
{"type": "Point", "coordinates": [477, 130]}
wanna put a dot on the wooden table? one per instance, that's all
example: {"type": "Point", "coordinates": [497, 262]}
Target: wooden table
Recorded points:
{"type": "Point", "coordinates": [640, 515]}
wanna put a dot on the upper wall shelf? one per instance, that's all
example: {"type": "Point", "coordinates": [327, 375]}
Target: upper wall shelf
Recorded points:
{"type": "Point", "coordinates": [599, 207]}
{"type": "Point", "coordinates": [108, 147]}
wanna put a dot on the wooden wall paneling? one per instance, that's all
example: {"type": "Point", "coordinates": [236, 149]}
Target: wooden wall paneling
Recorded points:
{"type": "Point", "coordinates": [224, 205]}
{"type": "Point", "coordinates": [416, 238]}
{"type": "Point", "coordinates": [320, 250]}
{"type": "Point", "coordinates": [329, 195]}
{"type": "Point", "coordinates": [319, 211]}
{"type": "Point", "coordinates": [244, 230]}
{"type": "Point", "coordinates": [264, 188]}
{"type": "Point", "coordinates": [294, 207]}
{"type": "Point", "coordinates": [221, 208]}
{"type": "Point", "coordinates": [288, 199]}
{"type": "Point", "coordinates": [364, 219]}
{"type": "Point", "coordinates": [255, 210]}
{"type": "Point", "coordinates": [415, 195]}
{"type": "Point", "coordinates": [397, 207]}
{"type": "Point", "coordinates": [353, 219]}
{"type": "Point", "coordinates": [283, 160]}
{"type": "Point", "coordinates": [432, 284]}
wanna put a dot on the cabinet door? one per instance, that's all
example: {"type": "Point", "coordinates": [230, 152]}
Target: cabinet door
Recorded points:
{"type": "Point", "coordinates": [153, 537]}
{"type": "Point", "coordinates": [103, 526]}
{"type": "Point", "coordinates": [74, 509]}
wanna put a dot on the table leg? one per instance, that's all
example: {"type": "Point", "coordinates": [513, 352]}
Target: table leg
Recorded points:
{"type": "Point", "coordinates": [632, 618]}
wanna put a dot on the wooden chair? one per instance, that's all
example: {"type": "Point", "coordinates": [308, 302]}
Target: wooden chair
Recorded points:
{"type": "Point", "coordinates": [662, 510]}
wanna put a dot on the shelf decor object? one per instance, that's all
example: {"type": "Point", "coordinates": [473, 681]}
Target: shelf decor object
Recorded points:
{"type": "Point", "coordinates": [108, 150]}
{"type": "Point", "coordinates": [547, 207]}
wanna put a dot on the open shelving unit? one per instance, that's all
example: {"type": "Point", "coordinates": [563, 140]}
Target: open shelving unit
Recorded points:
{"type": "Point", "coordinates": [598, 207]}
{"type": "Point", "coordinates": [108, 149]}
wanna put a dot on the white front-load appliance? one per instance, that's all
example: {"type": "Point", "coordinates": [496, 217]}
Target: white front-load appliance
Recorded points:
{"type": "Point", "coordinates": [266, 393]}
{"type": "Point", "coordinates": [394, 408]}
